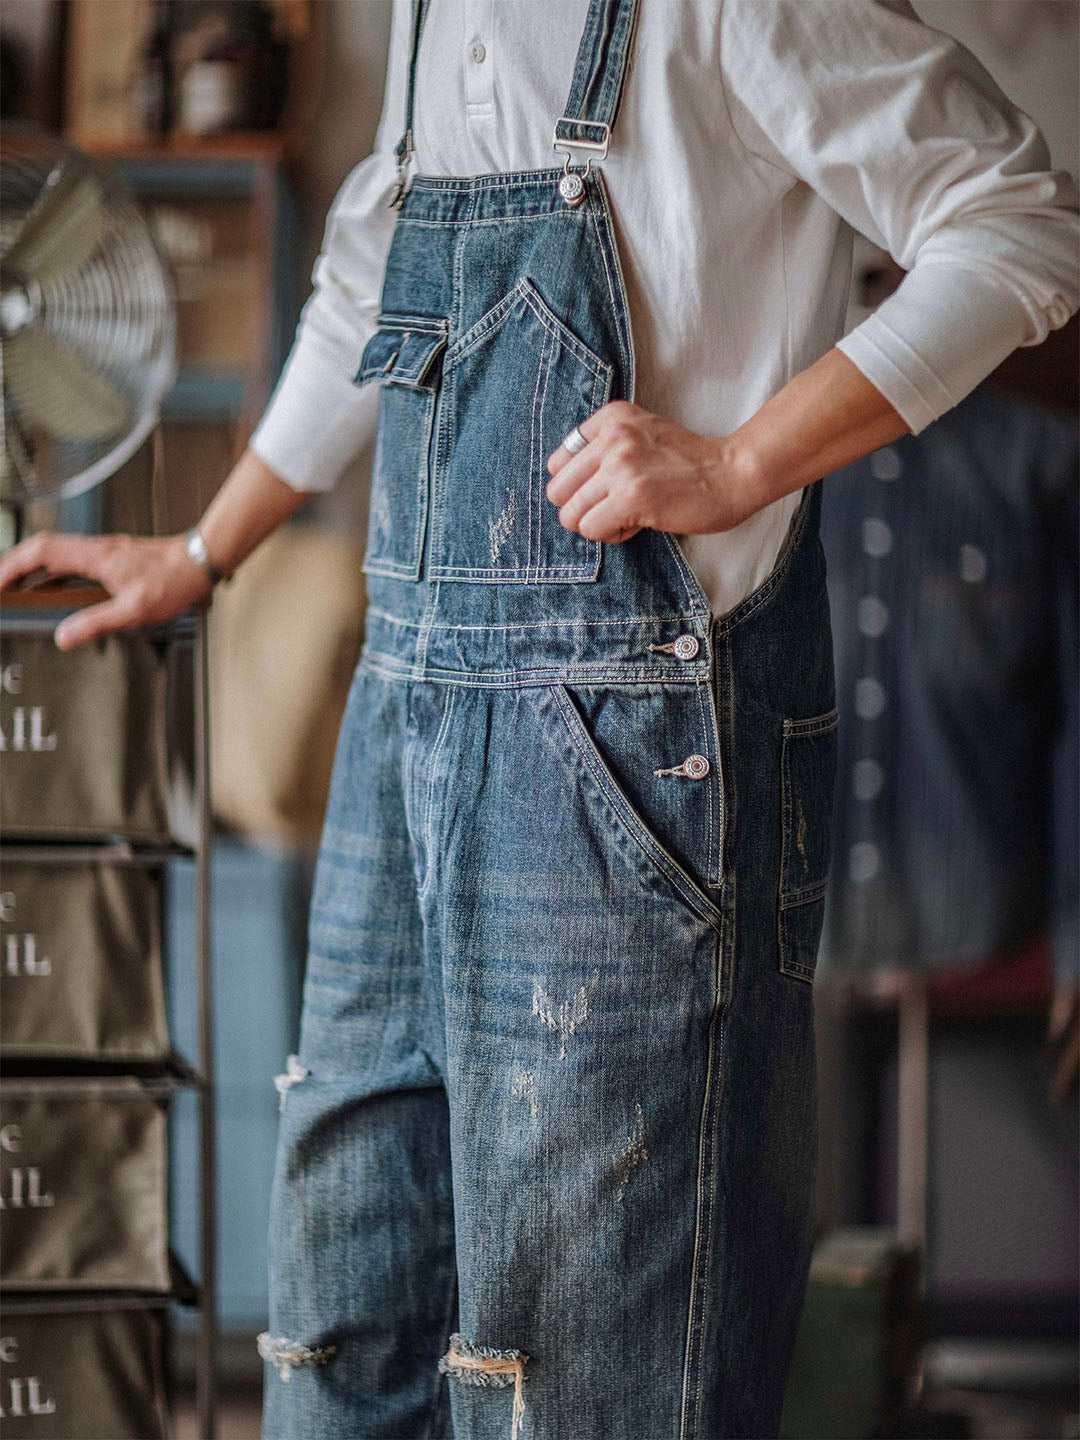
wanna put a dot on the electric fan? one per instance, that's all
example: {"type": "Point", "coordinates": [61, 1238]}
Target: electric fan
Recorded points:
{"type": "Point", "coordinates": [87, 321]}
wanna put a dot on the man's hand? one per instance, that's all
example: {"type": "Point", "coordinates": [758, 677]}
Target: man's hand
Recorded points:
{"type": "Point", "coordinates": [639, 471]}
{"type": "Point", "coordinates": [147, 579]}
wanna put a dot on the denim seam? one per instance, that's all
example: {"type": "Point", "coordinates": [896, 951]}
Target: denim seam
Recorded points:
{"type": "Point", "coordinates": [768, 587]}
{"type": "Point", "coordinates": [815, 725]}
{"type": "Point", "coordinates": [536, 438]}
{"type": "Point", "coordinates": [732, 811]}
{"type": "Point", "coordinates": [701, 1261]}
{"type": "Point", "coordinates": [595, 223]}
{"type": "Point", "coordinates": [631, 824]}
{"type": "Point", "coordinates": [489, 322]}
{"type": "Point", "coordinates": [625, 622]}
{"type": "Point", "coordinates": [805, 895]}
{"type": "Point", "coordinates": [490, 220]}
{"type": "Point", "coordinates": [559, 329]}
{"type": "Point", "coordinates": [699, 602]}
{"type": "Point", "coordinates": [709, 743]}
{"type": "Point", "coordinates": [429, 803]}
{"type": "Point", "coordinates": [507, 179]}
{"type": "Point", "coordinates": [616, 286]}
{"type": "Point", "coordinates": [421, 672]}
{"type": "Point", "coordinates": [551, 574]}
{"type": "Point", "coordinates": [442, 1380]}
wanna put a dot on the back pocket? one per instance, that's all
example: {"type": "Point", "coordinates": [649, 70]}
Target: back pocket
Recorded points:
{"type": "Point", "coordinates": [516, 383]}
{"type": "Point", "coordinates": [403, 355]}
{"type": "Point", "coordinates": [808, 772]}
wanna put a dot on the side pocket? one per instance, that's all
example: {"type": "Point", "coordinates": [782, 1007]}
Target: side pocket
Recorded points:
{"type": "Point", "coordinates": [404, 356]}
{"type": "Point", "coordinates": [808, 772]}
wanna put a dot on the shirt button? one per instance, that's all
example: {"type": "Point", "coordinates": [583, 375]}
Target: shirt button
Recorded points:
{"type": "Point", "coordinates": [477, 51]}
{"type": "Point", "coordinates": [686, 647]}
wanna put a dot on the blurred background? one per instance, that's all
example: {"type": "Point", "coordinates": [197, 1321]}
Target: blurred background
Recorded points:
{"type": "Point", "coordinates": [944, 1292]}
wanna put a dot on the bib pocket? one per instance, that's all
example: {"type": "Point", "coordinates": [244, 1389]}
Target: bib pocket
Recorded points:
{"type": "Point", "coordinates": [808, 771]}
{"type": "Point", "coordinates": [404, 356]}
{"type": "Point", "coordinates": [516, 382]}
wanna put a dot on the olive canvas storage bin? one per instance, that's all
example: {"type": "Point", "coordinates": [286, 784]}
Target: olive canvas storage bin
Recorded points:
{"type": "Point", "coordinates": [83, 737]}
{"type": "Point", "coordinates": [81, 961]}
{"type": "Point", "coordinates": [83, 1184]}
{"type": "Point", "coordinates": [70, 1374]}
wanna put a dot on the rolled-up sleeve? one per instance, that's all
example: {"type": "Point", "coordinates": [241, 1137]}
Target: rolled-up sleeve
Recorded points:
{"type": "Point", "coordinates": [905, 135]}
{"type": "Point", "coordinates": [317, 419]}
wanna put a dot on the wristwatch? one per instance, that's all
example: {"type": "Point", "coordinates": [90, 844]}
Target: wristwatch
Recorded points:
{"type": "Point", "coordinates": [195, 546]}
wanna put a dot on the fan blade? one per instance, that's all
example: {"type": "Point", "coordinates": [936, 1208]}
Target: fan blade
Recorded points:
{"type": "Point", "coordinates": [60, 392]}
{"type": "Point", "coordinates": [62, 230]}
{"type": "Point", "coordinates": [18, 481]}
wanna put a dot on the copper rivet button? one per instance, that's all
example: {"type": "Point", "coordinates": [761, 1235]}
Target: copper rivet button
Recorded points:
{"type": "Point", "coordinates": [696, 767]}
{"type": "Point", "coordinates": [687, 646]}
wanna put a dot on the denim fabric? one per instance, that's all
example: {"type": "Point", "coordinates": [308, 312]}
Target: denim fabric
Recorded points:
{"type": "Point", "coordinates": [953, 576]}
{"type": "Point", "coordinates": [546, 1154]}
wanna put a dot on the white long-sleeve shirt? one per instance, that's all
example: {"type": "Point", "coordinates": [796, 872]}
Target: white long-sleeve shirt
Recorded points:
{"type": "Point", "coordinates": [753, 136]}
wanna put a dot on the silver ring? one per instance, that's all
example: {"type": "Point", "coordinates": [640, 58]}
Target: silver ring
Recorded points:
{"type": "Point", "coordinates": [575, 442]}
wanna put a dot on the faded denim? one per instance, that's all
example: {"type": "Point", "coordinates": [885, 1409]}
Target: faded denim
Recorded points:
{"type": "Point", "coordinates": [546, 1155]}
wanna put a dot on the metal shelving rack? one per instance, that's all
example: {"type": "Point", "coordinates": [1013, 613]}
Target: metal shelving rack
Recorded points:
{"type": "Point", "coordinates": [41, 609]}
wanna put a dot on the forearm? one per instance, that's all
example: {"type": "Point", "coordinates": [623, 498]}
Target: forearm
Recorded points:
{"type": "Point", "coordinates": [639, 470]}
{"type": "Point", "coordinates": [824, 418]}
{"type": "Point", "coordinates": [252, 502]}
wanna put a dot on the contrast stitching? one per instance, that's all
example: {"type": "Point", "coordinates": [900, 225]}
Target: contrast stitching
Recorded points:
{"type": "Point", "coordinates": [556, 327]}
{"type": "Point", "coordinates": [709, 788]}
{"type": "Point", "coordinates": [553, 624]}
{"type": "Point", "coordinates": [815, 725]}
{"type": "Point", "coordinates": [429, 805]}
{"type": "Point", "coordinates": [536, 441]}
{"type": "Point", "coordinates": [807, 895]}
{"type": "Point", "coordinates": [584, 677]}
{"type": "Point", "coordinates": [632, 827]}
{"type": "Point", "coordinates": [766, 589]}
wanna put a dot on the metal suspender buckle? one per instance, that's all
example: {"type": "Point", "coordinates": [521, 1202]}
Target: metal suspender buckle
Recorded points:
{"type": "Point", "coordinates": [403, 151]}
{"type": "Point", "coordinates": [589, 136]}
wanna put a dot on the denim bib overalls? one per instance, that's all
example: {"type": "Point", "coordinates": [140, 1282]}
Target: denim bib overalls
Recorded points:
{"type": "Point", "coordinates": [545, 1154]}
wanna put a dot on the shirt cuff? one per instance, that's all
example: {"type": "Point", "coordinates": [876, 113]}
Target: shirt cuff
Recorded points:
{"type": "Point", "coordinates": [932, 342]}
{"type": "Point", "coordinates": [317, 420]}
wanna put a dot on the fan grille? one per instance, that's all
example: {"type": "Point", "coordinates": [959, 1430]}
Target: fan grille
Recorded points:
{"type": "Point", "coordinates": [99, 353]}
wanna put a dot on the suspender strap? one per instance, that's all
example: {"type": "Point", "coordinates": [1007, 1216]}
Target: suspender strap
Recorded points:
{"type": "Point", "coordinates": [599, 78]}
{"type": "Point", "coordinates": [404, 148]}
{"type": "Point", "coordinates": [595, 91]}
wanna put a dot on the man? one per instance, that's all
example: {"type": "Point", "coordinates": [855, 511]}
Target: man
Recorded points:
{"type": "Point", "coordinates": [546, 1150]}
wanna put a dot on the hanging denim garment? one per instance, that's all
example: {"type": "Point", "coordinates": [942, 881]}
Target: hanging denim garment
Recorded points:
{"type": "Point", "coordinates": [546, 1152]}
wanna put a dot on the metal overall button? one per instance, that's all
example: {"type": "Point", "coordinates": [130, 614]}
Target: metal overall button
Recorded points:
{"type": "Point", "coordinates": [685, 647]}
{"type": "Point", "coordinates": [694, 767]}
{"type": "Point", "coordinates": [572, 187]}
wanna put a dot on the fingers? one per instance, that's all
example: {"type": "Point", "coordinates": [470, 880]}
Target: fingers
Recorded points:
{"type": "Point", "coordinates": [56, 553]}
{"type": "Point", "coordinates": [95, 620]}
{"type": "Point", "coordinates": [589, 428]}
{"type": "Point", "coordinates": [608, 520]}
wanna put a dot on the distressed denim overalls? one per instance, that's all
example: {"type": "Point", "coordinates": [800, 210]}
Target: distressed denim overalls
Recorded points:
{"type": "Point", "coordinates": [545, 1156]}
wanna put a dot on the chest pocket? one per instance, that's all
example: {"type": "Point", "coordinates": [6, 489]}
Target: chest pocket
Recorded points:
{"type": "Point", "coordinates": [516, 382]}
{"type": "Point", "coordinates": [403, 355]}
